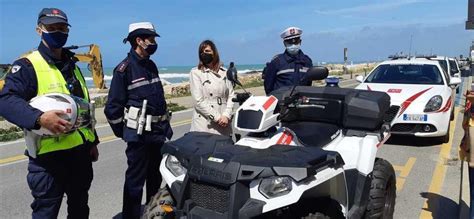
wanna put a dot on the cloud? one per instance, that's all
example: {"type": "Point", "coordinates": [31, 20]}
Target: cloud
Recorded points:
{"type": "Point", "coordinates": [369, 7]}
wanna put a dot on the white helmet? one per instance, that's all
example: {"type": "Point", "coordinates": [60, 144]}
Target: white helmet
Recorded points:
{"type": "Point", "coordinates": [78, 110]}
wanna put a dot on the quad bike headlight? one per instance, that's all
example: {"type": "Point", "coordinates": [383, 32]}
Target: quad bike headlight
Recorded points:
{"type": "Point", "coordinates": [275, 186]}
{"type": "Point", "coordinates": [174, 166]}
{"type": "Point", "coordinates": [434, 104]}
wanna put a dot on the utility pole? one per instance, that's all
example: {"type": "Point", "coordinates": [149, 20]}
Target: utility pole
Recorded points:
{"type": "Point", "coordinates": [470, 15]}
{"type": "Point", "coordinates": [411, 41]}
{"type": "Point", "coordinates": [345, 62]}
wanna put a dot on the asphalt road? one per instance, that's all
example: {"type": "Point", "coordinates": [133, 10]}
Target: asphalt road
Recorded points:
{"type": "Point", "coordinates": [427, 174]}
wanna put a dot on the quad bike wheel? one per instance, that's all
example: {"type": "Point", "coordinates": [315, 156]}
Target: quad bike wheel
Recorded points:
{"type": "Point", "coordinates": [328, 209]}
{"type": "Point", "coordinates": [154, 209]}
{"type": "Point", "coordinates": [382, 193]}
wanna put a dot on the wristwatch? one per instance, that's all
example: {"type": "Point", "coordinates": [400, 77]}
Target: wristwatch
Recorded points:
{"type": "Point", "coordinates": [37, 122]}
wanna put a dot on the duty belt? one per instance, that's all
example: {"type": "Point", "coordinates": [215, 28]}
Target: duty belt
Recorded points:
{"type": "Point", "coordinates": [160, 118]}
{"type": "Point", "coordinates": [154, 119]}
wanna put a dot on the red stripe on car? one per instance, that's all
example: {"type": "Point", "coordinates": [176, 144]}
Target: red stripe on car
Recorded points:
{"type": "Point", "coordinates": [269, 102]}
{"type": "Point", "coordinates": [407, 102]}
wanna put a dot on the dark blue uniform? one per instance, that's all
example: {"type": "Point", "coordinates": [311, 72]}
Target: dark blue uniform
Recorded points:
{"type": "Point", "coordinates": [286, 70]}
{"type": "Point", "coordinates": [52, 174]}
{"type": "Point", "coordinates": [134, 80]}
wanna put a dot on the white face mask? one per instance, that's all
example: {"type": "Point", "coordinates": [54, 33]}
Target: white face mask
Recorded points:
{"type": "Point", "coordinates": [293, 49]}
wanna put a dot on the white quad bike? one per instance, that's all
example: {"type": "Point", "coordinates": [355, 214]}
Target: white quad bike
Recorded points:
{"type": "Point", "coordinates": [308, 152]}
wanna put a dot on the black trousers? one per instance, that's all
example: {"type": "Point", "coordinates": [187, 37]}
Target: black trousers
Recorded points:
{"type": "Point", "coordinates": [54, 174]}
{"type": "Point", "coordinates": [143, 161]}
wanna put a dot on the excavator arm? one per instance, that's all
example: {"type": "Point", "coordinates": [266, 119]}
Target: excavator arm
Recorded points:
{"type": "Point", "coordinates": [93, 58]}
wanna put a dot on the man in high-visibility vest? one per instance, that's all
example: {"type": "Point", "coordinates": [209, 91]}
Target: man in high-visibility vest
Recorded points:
{"type": "Point", "coordinates": [62, 164]}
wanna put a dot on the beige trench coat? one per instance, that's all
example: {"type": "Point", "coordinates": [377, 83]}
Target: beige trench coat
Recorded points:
{"type": "Point", "coordinates": [212, 94]}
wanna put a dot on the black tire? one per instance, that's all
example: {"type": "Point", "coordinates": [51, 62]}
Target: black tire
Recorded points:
{"type": "Point", "coordinates": [445, 138]}
{"type": "Point", "coordinates": [153, 208]}
{"type": "Point", "coordinates": [325, 208]}
{"type": "Point", "coordinates": [382, 193]}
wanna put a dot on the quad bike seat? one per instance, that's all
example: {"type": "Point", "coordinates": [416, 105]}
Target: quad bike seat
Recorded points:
{"type": "Point", "coordinates": [314, 134]}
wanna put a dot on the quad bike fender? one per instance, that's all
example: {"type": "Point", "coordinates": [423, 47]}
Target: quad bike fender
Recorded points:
{"type": "Point", "coordinates": [358, 153]}
{"type": "Point", "coordinates": [368, 151]}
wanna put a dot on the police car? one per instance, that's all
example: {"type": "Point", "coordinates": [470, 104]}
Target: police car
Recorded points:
{"type": "Point", "coordinates": [422, 89]}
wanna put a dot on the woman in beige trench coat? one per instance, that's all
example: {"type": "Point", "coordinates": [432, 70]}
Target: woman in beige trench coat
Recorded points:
{"type": "Point", "coordinates": [212, 93]}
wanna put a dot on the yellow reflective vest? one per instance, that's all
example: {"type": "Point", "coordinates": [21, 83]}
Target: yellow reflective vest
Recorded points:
{"type": "Point", "coordinates": [50, 80]}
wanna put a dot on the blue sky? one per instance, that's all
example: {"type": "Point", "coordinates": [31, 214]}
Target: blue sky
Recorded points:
{"type": "Point", "coordinates": [247, 32]}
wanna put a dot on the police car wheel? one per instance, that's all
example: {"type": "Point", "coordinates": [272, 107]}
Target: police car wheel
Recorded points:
{"type": "Point", "coordinates": [445, 138]}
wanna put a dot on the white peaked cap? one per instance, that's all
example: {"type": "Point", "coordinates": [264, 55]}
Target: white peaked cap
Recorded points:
{"type": "Point", "coordinates": [141, 25]}
{"type": "Point", "coordinates": [290, 33]}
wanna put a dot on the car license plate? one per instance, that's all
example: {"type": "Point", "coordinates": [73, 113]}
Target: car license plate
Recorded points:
{"type": "Point", "coordinates": [415, 117]}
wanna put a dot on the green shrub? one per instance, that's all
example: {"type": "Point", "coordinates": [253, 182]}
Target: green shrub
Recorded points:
{"type": "Point", "coordinates": [10, 134]}
{"type": "Point", "coordinates": [174, 107]}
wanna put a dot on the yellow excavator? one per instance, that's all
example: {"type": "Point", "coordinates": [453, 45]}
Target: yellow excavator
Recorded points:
{"type": "Point", "coordinates": [93, 58]}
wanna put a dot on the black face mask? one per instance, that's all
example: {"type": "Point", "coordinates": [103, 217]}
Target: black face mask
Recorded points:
{"type": "Point", "coordinates": [206, 58]}
{"type": "Point", "coordinates": [150, 48]}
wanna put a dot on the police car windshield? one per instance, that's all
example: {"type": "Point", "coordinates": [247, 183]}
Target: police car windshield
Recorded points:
{"type": "Point", "coordinates": [405, 74]}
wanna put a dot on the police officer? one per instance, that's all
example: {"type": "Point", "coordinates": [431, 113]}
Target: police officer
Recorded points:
{"type": "Point", "coordinates": [61, 164]}
{"type": "Point", "coordinates": [287, 68]}
{"type": "Point", "coordinates": [136, 111]}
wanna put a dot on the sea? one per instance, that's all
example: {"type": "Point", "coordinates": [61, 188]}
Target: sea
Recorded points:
{"type": "Point", "coordinates": [171, 74]}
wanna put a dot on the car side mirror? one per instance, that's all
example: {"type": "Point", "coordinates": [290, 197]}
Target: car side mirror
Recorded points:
{"type": "Point", "coordinates": [455, 81]}
{"type": "Point", "coordinates": [316, 73]}
{"type": "Point", "coordinates": [360, 78]}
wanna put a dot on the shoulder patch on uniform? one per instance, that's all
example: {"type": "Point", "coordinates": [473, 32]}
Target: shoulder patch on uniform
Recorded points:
{"type": "Point", "coordinates": [122, 66]}
{"type": "Point", "coordinates": [275, 57]}
{"type": "Point", "coordinates": [24, 60]}
{"type": "Point", "coordinates": [15, 68]}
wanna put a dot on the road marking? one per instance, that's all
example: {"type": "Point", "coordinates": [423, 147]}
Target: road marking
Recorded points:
{"type": "Point", "coordinates": [17, 158]}
{"type": "Point", "coordinates": [439, 173]}
{"type": "Point", "coordinates": [400, 183]}
{"type": "Point", "coordinates": [12, 159]}
{"type": "Point", "coordinates": [404, 172]}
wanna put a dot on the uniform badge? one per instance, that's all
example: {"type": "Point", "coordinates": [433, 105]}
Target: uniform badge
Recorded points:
{"type": "Point", "coordinates": [15, 68]}
{"type": "Point", "coordinates": [122, 66]}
